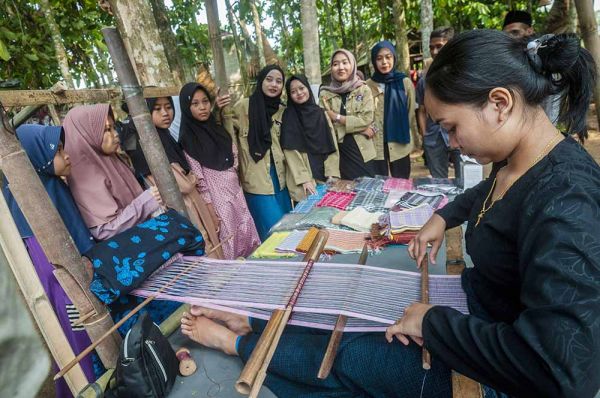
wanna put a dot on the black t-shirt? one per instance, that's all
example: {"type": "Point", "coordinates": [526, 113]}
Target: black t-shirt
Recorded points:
{"type": "Point", "coordinates": [537, 276]}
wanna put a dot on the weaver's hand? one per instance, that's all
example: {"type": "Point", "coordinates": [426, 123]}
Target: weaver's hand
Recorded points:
{"type": "Point", "coordinates": [432, 232]}
{"type": "Point", "coordinates": [410, 325]}
{"type": "Point", "coordinates": [309, 188]}
{"type": "Point", "coordinates": [156, 195]}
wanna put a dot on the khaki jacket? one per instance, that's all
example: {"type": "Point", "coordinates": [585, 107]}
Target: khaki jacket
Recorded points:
{"type": "Point", "coordinates": [396, 150]}
{"type": "Point", "coordinates": [301, 172]}
{"type": "Point", "coordinates": [255, 176]}
{"type": "Point", "coordinates": [359, 116]}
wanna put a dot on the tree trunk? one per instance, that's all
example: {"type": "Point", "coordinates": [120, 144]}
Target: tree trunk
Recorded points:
{"type": "Point", "coordinates": [289, 48]}
{"type": "Point", "coordinates": [139, 32]}
{"type": "Point", "coordinates": [401, 37]}
{"type": "Point", "coordinates": [338, 4]}
{"type": "Point", "coordinates": [259, 36]}
{"type": "Point", "coordinates": [353, 25]}
{"type": "Point", "coordinates": [216, 45]}
{"type": "Point", "coordinates": [426, 26]}
{"type": "Point", "coordinates": [59, 47]}
{"type": "Point", "coordinates": [560, 17]}
{"type": "Point", "coordinates": [589, 32]}
{"type": "Point", "coordinates": [382, 9]}
{"type": "Point", "coordinates": [168, 40]}
{"type": "Point", "coordinates": [239, 50]}
{"type": "Point", "coordinates": [310, 44]}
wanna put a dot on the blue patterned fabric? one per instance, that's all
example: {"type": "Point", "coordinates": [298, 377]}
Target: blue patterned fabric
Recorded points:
{"type": "Point", "coordinates": [123, 262]}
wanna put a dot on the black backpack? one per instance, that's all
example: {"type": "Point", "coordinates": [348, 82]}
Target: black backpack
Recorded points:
{"type": "Point", "coordinates": [147, 364]}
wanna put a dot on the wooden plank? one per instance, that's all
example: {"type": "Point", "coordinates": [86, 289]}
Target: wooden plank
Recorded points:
{"type": "Point", "coordinates": [38, 302]}
{"type": "Point", "coordinates": [462, 386]}
{"type": "Point", "coordinates": [11, 98]}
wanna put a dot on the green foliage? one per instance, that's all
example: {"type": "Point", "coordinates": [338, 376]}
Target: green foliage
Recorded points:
{"type": "Point", "coordinates": [191, 36]}
{"type": "Point", "coordinates": [27, 51]}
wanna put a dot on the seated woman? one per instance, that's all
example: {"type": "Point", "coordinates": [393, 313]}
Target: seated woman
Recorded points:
{"type": "Point", "coordinates": [534, 292]}
{"type": "Point", "coordinates": [394, 122]}
{"type": "Point", "coordinates": [308, 135]}
{"type": "Point", "coordinates": [201, 213]}
{"type": "Point", "coordinates": [44, 147]}
{"type": "Point", "coordinates": [349, 104]}
{"type": "Point", "coordinates": [213, 159]}
{"type": "Point", "coordinates": [106, 191]}
{"type": "Point", "coordinates": [257, 127]}
{"type": "Point", "coordinates": [108, 196]}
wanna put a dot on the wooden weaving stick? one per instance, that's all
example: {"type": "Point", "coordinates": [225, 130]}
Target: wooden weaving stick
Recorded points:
{"type": "Point", "coordinates": [254, 373]}
{"type": "Point", "coordinates": [137, 309]}
{"type": "Point", "coordinates": [338, 331]}
{"type": "Point", "coordinates": [425, 300]}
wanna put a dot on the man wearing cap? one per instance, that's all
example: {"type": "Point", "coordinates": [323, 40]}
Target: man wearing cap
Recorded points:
{"type": "Point", "coordinates": [518, 24]}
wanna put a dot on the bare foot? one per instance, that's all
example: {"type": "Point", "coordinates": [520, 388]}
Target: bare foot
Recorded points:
{"type": "Point", "coordinates": [208, 333]}
{"type": "Point", "coordinates": [234, 322]}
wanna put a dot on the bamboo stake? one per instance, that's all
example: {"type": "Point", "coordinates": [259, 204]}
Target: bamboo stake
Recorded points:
{"type": "Point", "coordinates": [338, 331]}
{"type": "Point", "coordinates": [149, 140]}
{"type": "Point", "coordinates": [425, 300]}
{"type": "Point", "coordinates": [137, 309]}
{"type": "Point", "coordinates": [255, 371]}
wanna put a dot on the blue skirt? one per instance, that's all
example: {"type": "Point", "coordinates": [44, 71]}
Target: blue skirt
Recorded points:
{"type": "Point", "coordinates": [266, 210]}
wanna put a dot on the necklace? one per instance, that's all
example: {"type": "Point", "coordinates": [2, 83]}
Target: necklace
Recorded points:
{"type": "Point", "coordinates": [485, 209]}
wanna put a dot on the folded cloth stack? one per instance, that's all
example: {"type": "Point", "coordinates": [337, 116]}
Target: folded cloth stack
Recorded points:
{"type": "Point", "coordinates": [397, 184]}
{"type": "Point", "coordinates": [289, 244]}
{"type": "Point", "coordinates": [341, 186]}
{"type": "Point", "coordinates": [268, 249]}
{"type": "Point", "coordinates": [404, 225]}
{"type": "Point", "coordinates": [369, 184]}
{"type": "Point", "coordinates": [370, 200]}
{"type": "Point", "coordinates": [345, 241]}
{"type": "Point", "coordinates": [338, 200]}
{"type": "Point", "coordinates": [307, 204]}
{"type": "Point", "coordinates": [360, 219]}
{"type": "Point", "coordinates": [413, 199]}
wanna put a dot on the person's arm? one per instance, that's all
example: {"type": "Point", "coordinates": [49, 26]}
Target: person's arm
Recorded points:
{"type": "Point", "coordinates": [421, 111]}
{"type": "Point", "coordinates": [139, 210]}
{"type": "Point", "coordinates": [332, 163]}
{"type": "Point", "coordinates": [553, 347]}
{"type": "Point", "coordinates": [299, 168]}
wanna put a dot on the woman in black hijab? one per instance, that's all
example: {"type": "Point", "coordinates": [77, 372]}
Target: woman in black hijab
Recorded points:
{"type": "Point", "coordinates": [257, 128]}
{"type": "Point", "coordinates": [199, 211]}
{"type": "Point", "coordinates": [306, 128]}
{"type": "Point", "coordinates": [213, 160]}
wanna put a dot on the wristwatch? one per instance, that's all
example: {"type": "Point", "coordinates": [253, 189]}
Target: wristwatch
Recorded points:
{"type": "Point", "coordinates": [338, 118]}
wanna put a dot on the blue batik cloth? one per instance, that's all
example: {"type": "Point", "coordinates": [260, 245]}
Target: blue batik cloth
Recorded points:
{"type": "Point", "coordinates": [123, 262]}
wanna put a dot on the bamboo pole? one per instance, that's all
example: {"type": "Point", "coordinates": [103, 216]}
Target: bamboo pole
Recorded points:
{"type": "Point", "coordinates": [35, 296]}
{"type": "Point", "coordinates": [149, 140]}
{"type": "Point", "coordinates": [53, 237]}
{"type": "Point", "coordinates": [37, 98]}
{"type": "Point", "coordinates": [425, 300]}
{"type": "Point", "coordinates": [338, 331]}
{"type": "Point", "coordinates": [255, 371]}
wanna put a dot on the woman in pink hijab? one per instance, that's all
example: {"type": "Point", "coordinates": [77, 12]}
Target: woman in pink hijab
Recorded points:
{"type": "Point", "coordinates": [107, 193]}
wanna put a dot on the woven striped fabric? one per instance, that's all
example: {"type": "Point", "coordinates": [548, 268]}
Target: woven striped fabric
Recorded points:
{"type": "Point", "coordinates": [369, 184]}
{"type": "Point", "coordinates": [371, 200]}
{"type": "Point", "coordinates": [413, 218]}
{"type": "Point", "coordinates": [339, 200]}
{"type": "Point", "coordinates": [268, 248]}
{"type": "Point", "coordinates": [344, 242]}
{"type": "Point", "coordinates": [371, 297]}
{"type": "Point", "coordinates": [397, 184]}
{"type": "Point", "coordinates": [290, 243]}
{"type": "Point", "coordinates": [360, 219]}
{"type": "Point", "coordinates": [307, 240]}
{"type": "Point", "coordinates": [415, 198]}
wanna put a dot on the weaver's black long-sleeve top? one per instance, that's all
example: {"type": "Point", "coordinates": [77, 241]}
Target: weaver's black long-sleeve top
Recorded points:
{"type": "Point", "coordinates": [537, 278]}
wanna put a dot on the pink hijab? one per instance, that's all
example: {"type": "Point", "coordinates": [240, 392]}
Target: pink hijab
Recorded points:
{"type": "Point", "coordinates": [353, 82]}
{"type": "Point", "coordinates": [101, 185]}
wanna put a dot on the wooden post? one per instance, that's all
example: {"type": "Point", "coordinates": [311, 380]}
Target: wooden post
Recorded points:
{"type": "Point", "coordinates": [53, 237]}
{"type": "Point", "coordinates": [149, 140]}
{"type": "Point", "coordinates": [216, 45]}
{"type": "Point", "coordinates": [36, 298]}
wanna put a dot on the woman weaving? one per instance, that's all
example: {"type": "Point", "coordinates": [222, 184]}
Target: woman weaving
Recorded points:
{"type": "Point", "coordinates": [533, 235]}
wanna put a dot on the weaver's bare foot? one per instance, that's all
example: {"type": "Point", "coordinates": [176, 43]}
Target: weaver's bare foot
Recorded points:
{"type": "Point", "coordinates": [208, 333]}
{"type": "Point", "coordinates": [234, 322]}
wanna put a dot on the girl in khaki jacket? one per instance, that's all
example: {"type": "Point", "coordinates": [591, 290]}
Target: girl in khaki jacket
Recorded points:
{"type": "Point", "coordinates": [349, 103]}
{"type": "Point", "coordinates": [307, 130]}
{"type": "Point", "coordinates": [263, 164]}
{"type": "Point", "coordinates": [394, 98]}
